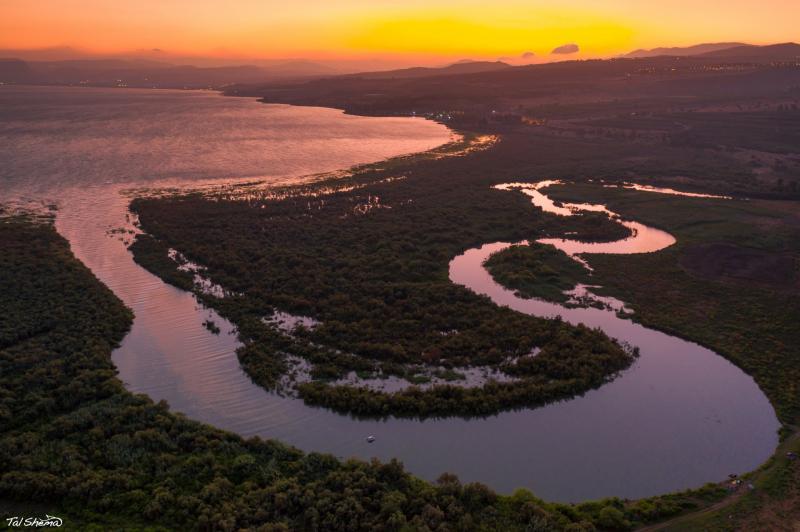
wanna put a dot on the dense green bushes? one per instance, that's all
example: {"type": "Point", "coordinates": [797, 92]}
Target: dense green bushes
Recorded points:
{"type": "Point", "coordinates": [378, 284]}
{"type": "Point", "coordinates": [151, 254]}
{"type": "Point", "coordinates": [537, 270]}
{"type": "Point", "coordinates": [76, 443]}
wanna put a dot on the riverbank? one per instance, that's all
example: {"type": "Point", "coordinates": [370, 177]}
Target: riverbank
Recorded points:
{"type": "Point", "coordinates": [675, 415]}
{"type": "Point", "coordinates": [728, 284]}
{"type": "Point", "coordinates": [647, 510]}
{"type": "Point", "coordinates": [523, 157]}
{"type": "Point", "coordinates": [77, 445]}
{"type": "Point", "coordinates": [740, 302]}
{"type": "Point", "coordinates": [377, 289]}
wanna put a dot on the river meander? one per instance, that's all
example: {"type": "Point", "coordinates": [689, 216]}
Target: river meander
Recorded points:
{"type": "Point", "coordinates": [681, 416]}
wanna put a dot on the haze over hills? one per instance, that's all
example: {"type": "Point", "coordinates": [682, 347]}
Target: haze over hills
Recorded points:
{"type": "Point", "coordinates": [149, 73]}
{"type": "Point", "coordinates": [684, 50]}
{"type": "Point", "coordinates": [788, 51]}
{"type": "Point", "coordinates": [461, 67]}
{"type": "Point", "coordinates": [730, 50]}
{"type": "Point", "coordinates": [157, 55]}
{"type": "Point", "coordinates": [496, 95]}
{"type": "Point", "coordinates": [148, 70]}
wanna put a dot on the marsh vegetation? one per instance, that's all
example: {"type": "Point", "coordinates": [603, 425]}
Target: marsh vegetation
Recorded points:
{"type": "Point", "coordinates": [376, 282]}
{"type": "Point", "coordinates": [75, 442]}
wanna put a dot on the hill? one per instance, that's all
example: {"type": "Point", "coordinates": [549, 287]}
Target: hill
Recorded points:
{"type": "Point", "coordinates": [14, 70]}
{"type": "Point", "coordinates": [461, 67]}
{"type": "Point", "coordinates": [788, 51]}
{"type": "Point", "coordinates": [150, 73]}
{"type": "Point", "coordinates": [685, 50]}
{"type": "Point", "coordinates": [464, 98]}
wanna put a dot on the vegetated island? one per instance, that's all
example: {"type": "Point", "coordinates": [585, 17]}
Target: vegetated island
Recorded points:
{"type": "Point", "coordinates": [365, 261]}
{"type": "Point", "coordinates": [537, 270]}
{"type": "Point", "coordinates": [76, 444]}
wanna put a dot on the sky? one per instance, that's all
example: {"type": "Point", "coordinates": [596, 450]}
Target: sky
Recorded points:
{"type": "Point", "coordinates": [412, 31]}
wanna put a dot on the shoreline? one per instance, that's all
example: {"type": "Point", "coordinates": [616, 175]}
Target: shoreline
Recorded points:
{"type": "Point", "coordinates": [479, 242]}
{"type": "Point", "coordinates": [401, 157]}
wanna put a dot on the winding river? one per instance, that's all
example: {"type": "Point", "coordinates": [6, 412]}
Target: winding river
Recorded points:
{"type": "Point", "coordinates": [681, 416]}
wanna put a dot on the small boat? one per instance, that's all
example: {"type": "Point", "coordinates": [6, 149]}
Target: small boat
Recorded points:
{"type": "Point", "coordinates": [370, 439]}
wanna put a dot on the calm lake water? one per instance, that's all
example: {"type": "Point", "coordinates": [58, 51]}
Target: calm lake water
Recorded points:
{"type": "Point", "coordinates": [680, 417]}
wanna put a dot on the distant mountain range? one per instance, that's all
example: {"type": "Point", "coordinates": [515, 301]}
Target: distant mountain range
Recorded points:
{"type": "Point", "coordinates": [461, 67]}
{"type": "Point", "coordinates": [788, 51]}
{"type": "Point", "coordinates": [686, 50]}
{"type": "Point", "coordinates": [147, 70]}
{"type": "Point", "coordinates": [150, 73]}
{"type": "Point", "coordinates": [744, 72]}
{"type": "Point", "coordinates": [727, 50]}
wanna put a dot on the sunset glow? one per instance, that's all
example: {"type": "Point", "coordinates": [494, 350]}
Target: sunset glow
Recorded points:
{"type": "Point", "coordinates": [411, 30]}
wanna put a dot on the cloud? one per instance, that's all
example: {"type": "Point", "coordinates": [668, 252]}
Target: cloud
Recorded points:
{"type": "Point", "coordinates": [566, 49]}
{"type": "Point", "coordinates": [528, 55]}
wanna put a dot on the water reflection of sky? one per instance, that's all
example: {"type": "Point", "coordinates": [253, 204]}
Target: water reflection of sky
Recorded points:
{"type": "Point", "coordinates": [643, 239]}
{"type": "Point", "coordinates": [680, 417]}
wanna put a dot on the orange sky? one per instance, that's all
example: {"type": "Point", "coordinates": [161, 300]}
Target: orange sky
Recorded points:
{"type": "Point", "coordinates": [416, 30]}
